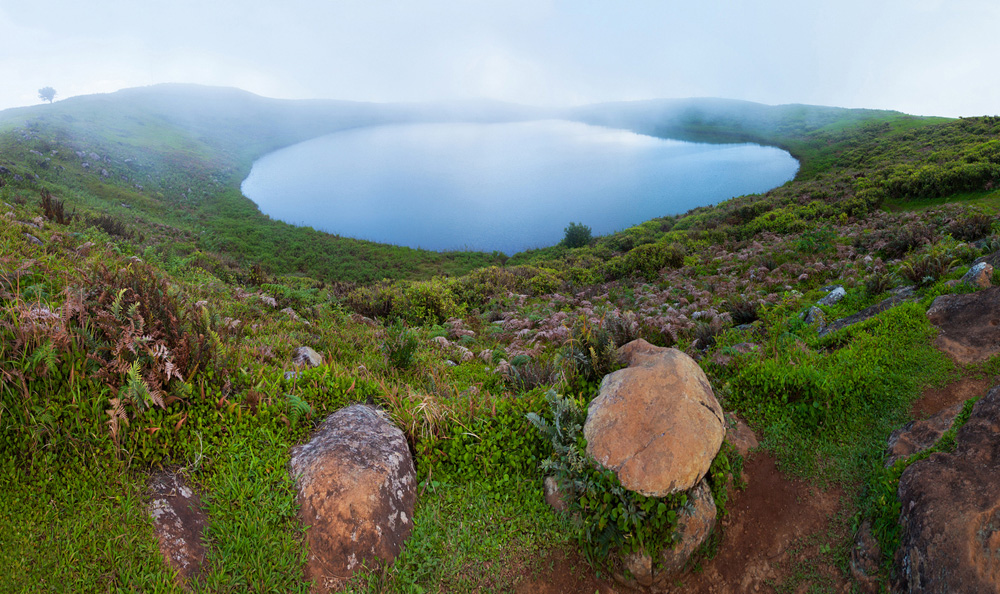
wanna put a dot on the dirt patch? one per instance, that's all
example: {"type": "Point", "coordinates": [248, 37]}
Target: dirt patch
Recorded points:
{"type": "Point", "coordinates": [934, 400]}
{"type": "Point", "coordinates": [563, 572]}
{"type": "Point", "coordinates": [775, 537]}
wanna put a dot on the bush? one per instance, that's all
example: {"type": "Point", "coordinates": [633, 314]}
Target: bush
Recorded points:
{"type": "Point", "coordinates": [399, 346]}
{"type": "Point", "coordinates": [577, 235]}
{"type": "Point", "coordinates": [972, 227]}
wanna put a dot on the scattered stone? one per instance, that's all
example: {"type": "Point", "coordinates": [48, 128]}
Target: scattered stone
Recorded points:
{"type": "Point", "coordinates": [178, 521]}
{"type": "Point", "coordinates": [356, 491]}
{"type": "Point", "coordinates": [833, 297]}
{"type": "Point", "coordinates": [901, 295]}
{"type": "Point", "coordinates": [554, 495]}
{"type": "Point", "coordinates": [85, 248]}
{"type": "Point", "coordinates": [32, 239]}
{"type": "Point", "coordinates": [695, 523]}
{"type": "Point", "coordinates": [814, 315]}
{"type": "Point", "coordinates": [917, 436]}
{"type": "Point", "coordinates": [295, 316]}
{"type": "Point", "coordinates": [656, 424]}
{"type": "Point", "coordinates": [951, 511]}
{"type": "Point", "coordinates": [307, 356]}
{"type": "Point", "coordinates": [969, 325]}
{"type": "Point", "coordinates": [980, 275]}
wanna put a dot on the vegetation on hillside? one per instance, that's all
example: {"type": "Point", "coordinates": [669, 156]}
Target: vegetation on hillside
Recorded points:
{"type": "Point", "coordinates": [145, 324]}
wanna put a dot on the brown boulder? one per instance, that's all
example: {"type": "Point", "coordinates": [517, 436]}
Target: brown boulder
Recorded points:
{"type": "Point", "coordinates": [356, 492]}
{"type": "Point", "coordinates": [656, 424]}
{"type": "Point", "coordinates": [951, 511]}
{"type": "Point", "coordinates": [917, 436]}
{"type": "Point", "coordinates": [969, 325]}
{"type": "Point", "coordinates": [178, 522]}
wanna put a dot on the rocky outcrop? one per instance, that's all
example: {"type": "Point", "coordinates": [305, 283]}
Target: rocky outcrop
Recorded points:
{"type": "Point", "coordinates": [833, 297]}
{"type": "Point", "coordinates": [901, 295]}
{"type": "Point", "coordinates": [951, 511]}
{"type": "Point", "coordinates": [178, 522]}
{"type": "Point", "coordinates": [917, 436]}
{"type": "Point", "coordinates": [969, 325]}
{"type": "Point", "coordinates": [656, 424]}
{"type": "Point", "coordinates": [356, 491]}
{"type": "Point", "coordinates": [695, 523]}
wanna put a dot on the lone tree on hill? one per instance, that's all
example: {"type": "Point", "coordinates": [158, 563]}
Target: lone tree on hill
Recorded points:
{"type": "Point", "coordinates": [577, 235]}
{"type": "Point", "coordinates": [47, 94]}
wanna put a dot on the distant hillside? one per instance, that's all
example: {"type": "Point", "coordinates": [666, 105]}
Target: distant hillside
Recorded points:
{"type": "Point", "coordinates": [165, 163]}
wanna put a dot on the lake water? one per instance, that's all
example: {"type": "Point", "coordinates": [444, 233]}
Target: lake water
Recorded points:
{"type": "Point", "coordinates": [505, 187]}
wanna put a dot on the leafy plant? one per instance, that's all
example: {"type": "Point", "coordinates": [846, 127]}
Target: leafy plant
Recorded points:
{"type": "Point", "coordinates": [400, 345]}
{"type": "Point", "coordinates": [576, 235]}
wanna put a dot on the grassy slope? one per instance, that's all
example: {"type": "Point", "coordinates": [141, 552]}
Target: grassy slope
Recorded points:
{"type": "Point", "coordinates": [824, 406]}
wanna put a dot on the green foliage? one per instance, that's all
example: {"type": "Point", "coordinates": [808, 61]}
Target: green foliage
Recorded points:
{"type": "Point", "coordinates": [591, 351]}
{"type": "Point", "coordinates": [400, 345]}
{"type": "Point", "coordinates": [576, 235]}
{"type": "Point", "coordinates": [611, 518]}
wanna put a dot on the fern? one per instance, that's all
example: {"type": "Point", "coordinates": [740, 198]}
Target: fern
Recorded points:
{"type": "Point", "coordinates": [297, 408]}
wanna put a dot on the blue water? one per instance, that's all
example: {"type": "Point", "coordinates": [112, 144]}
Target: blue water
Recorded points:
{"type": "Point", "coordinates": [505, 187]}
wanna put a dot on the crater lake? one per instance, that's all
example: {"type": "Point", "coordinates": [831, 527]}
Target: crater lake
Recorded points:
{"type": "Point", "coordinates": [499, 187]}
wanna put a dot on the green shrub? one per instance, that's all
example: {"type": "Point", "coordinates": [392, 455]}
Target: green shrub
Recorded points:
{"type": "Point", "coordinates": [576, 235]}
{"type": "Point", "coordinates": [429, 302]}
{"type": "Point", "coordinates": [610, 517]}
{"type": "Point", "coordinates": [400, 346]}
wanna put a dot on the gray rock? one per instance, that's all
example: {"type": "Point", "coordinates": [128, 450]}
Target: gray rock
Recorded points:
{"type": "Point", "coordinates": [901, 296]}
{"type": "Point", "coordinates": [814, 315]}
{"type": "Point", "coordinates": [833, 297]}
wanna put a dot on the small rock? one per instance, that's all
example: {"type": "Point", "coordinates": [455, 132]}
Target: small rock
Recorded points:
{"type": "Point", "coordinates": [32, 239]}
{"type": "Point", "coordinates": [866, 557]}
{"type": "Point", "coordinates": [980, 275]}
{"type": "Point", "coordinates": [307, 356]}
{"type": "Point", "coordinates": [814, 315]}
{"type": "Point", "coordinates": [554, 495]}
{"type": "Point", "coordinates": [833, 297]}
{"type": "Point", "coordinates": [740, 435]}
{"type": "Point", "coordinates": [917, 436]}
{"type": "Point", "coordinates": [695, 523]}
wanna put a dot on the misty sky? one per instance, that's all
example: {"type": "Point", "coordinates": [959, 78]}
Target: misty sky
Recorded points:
{"type": "Point", "coordinates": [926, 57]}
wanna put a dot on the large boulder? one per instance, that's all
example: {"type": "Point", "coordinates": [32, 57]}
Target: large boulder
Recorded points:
{"type": "Point", "coordinates": [951, 511]}
{"type": "Point", "coordinates": [969, 325]}
{"type": "Point", "coordinates": [656, 424]}
{"type": "Point", "coordinates": [356, 492]}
